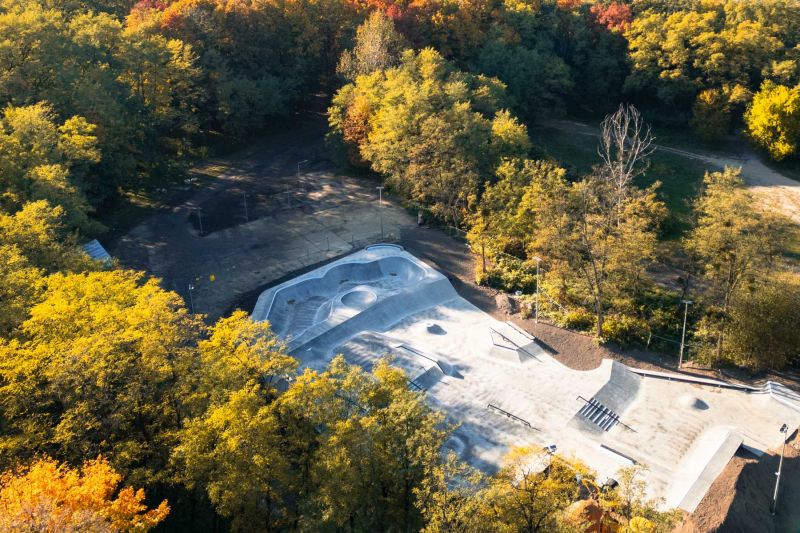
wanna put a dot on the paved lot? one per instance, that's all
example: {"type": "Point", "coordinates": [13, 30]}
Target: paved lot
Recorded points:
{"type": "Point", "coordinates": [292, 220]}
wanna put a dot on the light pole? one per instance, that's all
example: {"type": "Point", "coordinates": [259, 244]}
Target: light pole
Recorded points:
{"type": "Point", "coordinates": [191, 300]}
{"type": "Point", "coordinates": [687, 303]}
{"type": "Point", "coordinates": [244, 197]}
{"type": "Point", "coordinates": [380, 208]}
{"type": "Point", "coordinates": [200, 219]}
{"type": "Point", "coordinates": [536, 315]}
{"type": "Point", "coordinates": [784, 431]}
{"type": "Point", "coordinates": [298, 171]}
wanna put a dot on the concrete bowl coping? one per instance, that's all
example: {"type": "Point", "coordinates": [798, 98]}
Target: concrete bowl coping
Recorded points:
{"type": "Point", "coordinates": [375, 260]}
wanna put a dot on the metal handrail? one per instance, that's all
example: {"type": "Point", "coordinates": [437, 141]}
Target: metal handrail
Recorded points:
{"type": "Point", "coordinates": [609, 411]}
{"type": "Point", "coordinates": [510, 415]}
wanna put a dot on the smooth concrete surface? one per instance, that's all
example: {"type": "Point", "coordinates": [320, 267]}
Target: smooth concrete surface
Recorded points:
{"type": "Point", "coordinates": [503, 390]}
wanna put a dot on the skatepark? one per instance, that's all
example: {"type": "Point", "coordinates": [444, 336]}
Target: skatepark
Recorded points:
{"type": "Point", "coordinates": [503, 389]}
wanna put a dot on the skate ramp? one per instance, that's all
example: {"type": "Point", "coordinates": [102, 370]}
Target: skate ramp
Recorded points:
{"type": "Point", "coordinates": [699, 468]}
{"type": "Point", "coordinates": [606, 408]}
{"type": "Point", "coordinates": [383, 302]}
{"type": "Point", "coordinates": [351, 284]}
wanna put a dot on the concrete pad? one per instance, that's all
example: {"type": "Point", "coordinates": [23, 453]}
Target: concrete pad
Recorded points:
{"type": "Point", "coordinates": [504, 390]}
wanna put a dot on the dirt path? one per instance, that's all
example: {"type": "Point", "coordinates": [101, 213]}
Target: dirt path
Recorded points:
{"type": "Point", "coordinates": [775, 190]}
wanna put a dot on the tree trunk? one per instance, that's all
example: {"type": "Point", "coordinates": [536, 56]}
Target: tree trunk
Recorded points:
{"type": "Point", "coordinates": [599, 312]}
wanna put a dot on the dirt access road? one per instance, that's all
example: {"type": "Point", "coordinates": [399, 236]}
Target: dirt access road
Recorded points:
{"type": "Point", "coordinates": [775, 190]}
{"type": "Point", "coordinates": [274, 208]}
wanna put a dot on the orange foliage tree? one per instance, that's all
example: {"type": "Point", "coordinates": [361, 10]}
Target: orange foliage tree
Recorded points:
{"type": "Point", "coordinates": [615, 16]}
{"type": "Point", "coordinates": [50, 497]}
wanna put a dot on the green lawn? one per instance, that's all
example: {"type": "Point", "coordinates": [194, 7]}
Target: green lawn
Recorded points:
{"type": "Point", "coordinates": [680, 177]}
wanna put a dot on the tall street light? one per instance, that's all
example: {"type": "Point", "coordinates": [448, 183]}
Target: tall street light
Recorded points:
{"type": "Point", "coordinates": [380, 204]}
{"type": "Point", "coordinates": [200, 219]}
{"type": "Point", "coordinates": [784, 431]}
{"type": "Point", "coordinates": [687, 303]}
{"type": "Point", "coordinates": [298, 171]}
{"type": "Point", "coordinates": [536, 314]}
{"type": "Point", "coordinates": [191, 300]}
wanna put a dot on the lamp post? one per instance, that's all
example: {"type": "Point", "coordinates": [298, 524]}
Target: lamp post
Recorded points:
{"type": "Point", "coordinates": [536, 313]}
{"type": "Point", "coordinates": [380, 204]}
{"type": "Point", "coordinates": [191, 300]}
{"type": "Point", "coordinates": [687, 303]}
{"type": "Point", "coordinates": [298, 171]}
{"type": "Point", "coordinates": [784, 431]}
{"type": "Point", "coordinates": [200, 219]}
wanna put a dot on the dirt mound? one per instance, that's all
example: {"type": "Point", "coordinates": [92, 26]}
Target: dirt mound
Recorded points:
{"type": "Point", "coordinates": [739, 499]}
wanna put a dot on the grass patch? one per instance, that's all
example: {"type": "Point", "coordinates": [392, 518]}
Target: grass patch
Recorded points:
{"type": "Point", "coordinates": [680, 177]}
{"type": "Point", "coordinates": [792, 251]}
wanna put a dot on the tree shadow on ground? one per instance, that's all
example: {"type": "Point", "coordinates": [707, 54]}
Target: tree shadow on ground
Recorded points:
{"type": "Point", "coordinates": [749, 511]}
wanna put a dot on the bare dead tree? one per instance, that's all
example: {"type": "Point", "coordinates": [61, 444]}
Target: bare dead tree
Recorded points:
{"type": "Point", "coordinates": [626, 143]}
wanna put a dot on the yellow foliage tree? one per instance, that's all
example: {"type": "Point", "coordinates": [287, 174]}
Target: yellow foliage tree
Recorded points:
{"type": "Point", "coordinates": [49, 497]}
{"type": "Point", "coordinates": [103, 365]}
{"type": "Point", "coordinates": [773, 119]}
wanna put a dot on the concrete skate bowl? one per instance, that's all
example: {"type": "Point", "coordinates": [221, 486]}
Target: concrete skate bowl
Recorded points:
{"type": "Point", "coordinates": [299, 306]}
{"type": "Point", "coordinates": [359, 299]}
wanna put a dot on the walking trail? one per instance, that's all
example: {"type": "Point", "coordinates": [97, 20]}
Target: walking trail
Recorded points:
{"type": "Point", "coordinates": [775, 190]}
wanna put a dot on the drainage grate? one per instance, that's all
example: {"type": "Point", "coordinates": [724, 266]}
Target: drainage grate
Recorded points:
{"type": "Point", "coordinates": [599, 414]}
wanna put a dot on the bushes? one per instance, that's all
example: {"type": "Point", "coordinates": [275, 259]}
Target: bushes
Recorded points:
{"type": "Point", "coordinates": [508, 274]}
{"type": "Point", "coordinates": [625, 330]}
{"type": "Point", "coordinates": [578, 318]}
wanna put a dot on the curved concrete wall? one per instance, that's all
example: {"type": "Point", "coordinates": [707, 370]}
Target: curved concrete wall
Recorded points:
{"type": "Point", "coordinates": [315, 295]}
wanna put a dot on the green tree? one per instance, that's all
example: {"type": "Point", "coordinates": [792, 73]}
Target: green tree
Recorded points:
{"type": "Point", "coordinates": [733, 242]}
{"type": "Point", "coordinates": [629, 501]}
{"type": "Point", "coordinates": [599, 234]}
{"type": "Point", "coordinates": [240, 353]}
{"type": "Point", "coordinates": [39, 233]}
{"type": "Point", "coordinates": [711, 115]}
{"type": "Point", "coordinates": [437, 134]}
{"type": "Point", "coordinates": [505, 218]}
{"type": "Point", "coordinates": [235, 452]}
{"type": "Point", "coordinates": [448, 497]}
{"type": "Point", "coordinates": [44, 160]}
{"type": "Point", "coordinates": [764, 324]}
{"type": "Point", "coordinates": [374, 440]}
{"type": "Point", "coordinates": [20, 286]}
{"type": "Point", "coordinates": [678, 50]}
{"type": "Point", "coordinates": [530, 493]}
{"type": "Point", "coordinates": [377, 47]}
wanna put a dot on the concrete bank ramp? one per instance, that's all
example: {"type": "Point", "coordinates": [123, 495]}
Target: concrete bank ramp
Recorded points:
{"type": "Point", "coordinates": [701, 466]}
{"type": "Point", "coordinates": [606, 408]}
{"type": "Point", "coordinates": [782, 394]}
{"type": "Point", "coordinates": [513, 345]}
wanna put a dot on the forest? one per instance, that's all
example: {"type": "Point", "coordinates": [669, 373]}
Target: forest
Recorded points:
{"type": "Point", "coordinates": [120, 410]}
